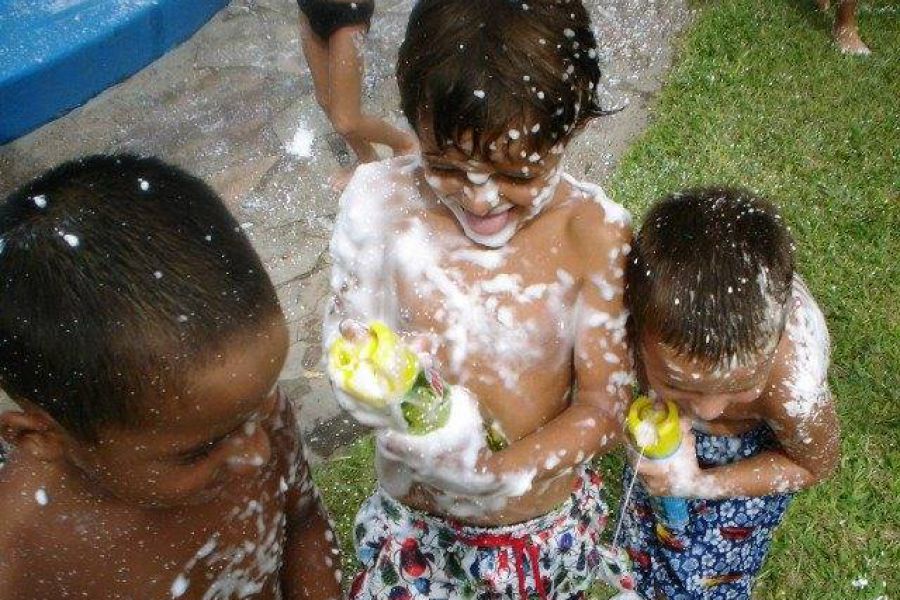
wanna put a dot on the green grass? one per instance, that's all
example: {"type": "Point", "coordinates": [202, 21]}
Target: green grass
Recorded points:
{"type": "Point", "coordinates": [759, 97]}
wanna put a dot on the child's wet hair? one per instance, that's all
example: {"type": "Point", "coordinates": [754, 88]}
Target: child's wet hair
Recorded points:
{"type": "Point", "coordinates": [710, 273]}
{"type": "Point", "coordinates": [483, 68]}
{"type": "Point", "coordinates": [120, 276]}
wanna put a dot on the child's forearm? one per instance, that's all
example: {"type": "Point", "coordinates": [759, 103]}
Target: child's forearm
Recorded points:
{"type": "Point", "coordinates": [580, 432]}
{"type": "Point", "coordinates": [766, 473]}
{"type": "Point", "coordinates": [312, 562]}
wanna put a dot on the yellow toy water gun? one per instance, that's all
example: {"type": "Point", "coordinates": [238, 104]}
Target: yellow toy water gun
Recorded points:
{"type": "Point", "coordinates": [378, 370]}
{"type": "Point", "coordinates": [655, 428]}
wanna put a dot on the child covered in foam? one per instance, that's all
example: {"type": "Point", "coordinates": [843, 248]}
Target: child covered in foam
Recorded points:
{"type": "Point", "coordinates": [726, 330]}
{"type": "Point", "coordinates": [512, 273]}
{"type": "Point", "coordinates": [151, 454]}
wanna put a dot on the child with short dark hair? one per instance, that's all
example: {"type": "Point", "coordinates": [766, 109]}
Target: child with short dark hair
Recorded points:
{"type": "Point", "coordinates": [725, 329]}
{"type": "Point", "coordinates": [152, 455]}
{"type": "Point", "coordinates": [513, 271]}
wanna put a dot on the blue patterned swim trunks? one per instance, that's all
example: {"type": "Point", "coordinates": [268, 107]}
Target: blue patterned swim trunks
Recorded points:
{"type": "Point", "coordinates": [718, 554]}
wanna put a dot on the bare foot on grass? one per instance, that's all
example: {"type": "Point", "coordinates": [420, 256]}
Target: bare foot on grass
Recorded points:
{"type": "Point", "coordinates": [848, 40]}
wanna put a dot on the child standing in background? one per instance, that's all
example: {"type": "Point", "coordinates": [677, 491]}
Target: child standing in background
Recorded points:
{"type": "Point", "coordinates": [331, 33]}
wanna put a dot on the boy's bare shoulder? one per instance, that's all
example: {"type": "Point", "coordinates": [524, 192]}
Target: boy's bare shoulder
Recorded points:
{"type": "Point", "coordinates": [800, 372]}
{"type": "Point", "coordinates": [596, 222]}
{"type": "Point", "coordinates": [372, 201]}
{"type": "Point", "coordinates": [380, 182]}
{"type": "Point", "coordinates": [21, 501]}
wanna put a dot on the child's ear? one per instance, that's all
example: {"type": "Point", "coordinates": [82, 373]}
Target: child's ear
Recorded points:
{"type": "Point", "coordinates": [34, 431]}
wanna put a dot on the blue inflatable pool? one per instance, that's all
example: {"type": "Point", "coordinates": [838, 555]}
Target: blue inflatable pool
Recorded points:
{"type": "Point", "coordinates": [56, 54]}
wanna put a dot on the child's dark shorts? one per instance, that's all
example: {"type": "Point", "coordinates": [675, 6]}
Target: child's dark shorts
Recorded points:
{"type": "Point", "coordinates": [410, 555]}
{"type": "Point", "coordinates": [719, 553]}
{"type": "Point", "coordinates": [327, 16]}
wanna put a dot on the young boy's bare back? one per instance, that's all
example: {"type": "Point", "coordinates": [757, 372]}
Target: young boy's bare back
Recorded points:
{"type": "Point", "coordinates": [504, 323]}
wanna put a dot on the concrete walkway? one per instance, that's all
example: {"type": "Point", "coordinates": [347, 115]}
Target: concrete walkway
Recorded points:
{"type": "Point", "coordinates": [235, 105]}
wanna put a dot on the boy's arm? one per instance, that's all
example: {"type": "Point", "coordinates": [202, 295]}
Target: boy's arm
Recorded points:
{"type": "Point", "coordinates": [358, 269]}
{"type": "Point", "coordinates": [591, 424]}
{"type": "Point", "coordinates": [311, 567]}
{"type": "Point", "coordinates": [809, 452]}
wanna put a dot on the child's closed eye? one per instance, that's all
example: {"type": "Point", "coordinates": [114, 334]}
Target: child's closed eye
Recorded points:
{"type": "Point", "coordinates": [198, 454]}
{"type": "Point", "coordinates": [445, 170]}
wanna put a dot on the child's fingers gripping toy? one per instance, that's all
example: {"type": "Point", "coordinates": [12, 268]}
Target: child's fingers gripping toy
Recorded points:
{"type": "Point", "coordinates": [655, 428]}
{"type": "Point", "coordinates": [386, 376]}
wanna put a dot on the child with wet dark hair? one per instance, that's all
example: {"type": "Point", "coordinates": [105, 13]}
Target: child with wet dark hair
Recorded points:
{"type": "Point", "coordinates": [724, 328]}
{"type": "Point", "coordinates": [152, 455]}
{"type": "Point", "coordinates": [512, 272]}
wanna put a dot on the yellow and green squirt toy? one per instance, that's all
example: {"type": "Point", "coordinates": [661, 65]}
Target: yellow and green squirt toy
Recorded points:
{"type": "Point", "coordinates": [374, 369]}
{"type": "Point", "coordinates": [656, 430]}
{"type": "Point", "coordinates": [380, 371]}
{"type": "Point", "coordinates": [654, 427]}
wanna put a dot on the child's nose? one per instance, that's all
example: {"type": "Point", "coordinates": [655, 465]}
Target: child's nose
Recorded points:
{"type": "Point", "coordinates": [250, 451]}
{"type": "Point", "coordinates": [483, 198]}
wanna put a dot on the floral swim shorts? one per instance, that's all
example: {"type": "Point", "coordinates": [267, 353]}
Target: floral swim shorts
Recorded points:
{"type": "Point", "coordinates": [719, 552]}
{"type": "Point", "coordinates": [408, 554]}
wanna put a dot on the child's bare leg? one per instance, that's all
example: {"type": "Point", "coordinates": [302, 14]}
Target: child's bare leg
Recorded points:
{"type": "Point", "coordinates": [315, 50]}
{"type": "Point", "coordinates": [360, 130]}
{"type": "Point", "coordinates": [317, 54]}
{"type": "Point", "coordinates": [846, 31]}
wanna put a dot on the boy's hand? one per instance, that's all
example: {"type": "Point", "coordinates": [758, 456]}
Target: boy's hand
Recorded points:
{"type": "Point", "coordinates": [454, 459]}
{"type": "Point", "coordinates": [449, 468]}
{"type": "Point", "coordinates": [679, 475]}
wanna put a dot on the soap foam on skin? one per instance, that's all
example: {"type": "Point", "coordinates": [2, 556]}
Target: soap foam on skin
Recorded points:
{"type": "Point", "coordinates": [378, 240]}
{"type": "Point", "coordinates": [500, 238]}
{"type": "Point", "coordinates": [471, 312]}
{"type": "Point", "coordinates": [807, 389]}
{"type": "Point", "coordinates": [446, 460]}
{"type": "Point", "coordinates": [807, 330]}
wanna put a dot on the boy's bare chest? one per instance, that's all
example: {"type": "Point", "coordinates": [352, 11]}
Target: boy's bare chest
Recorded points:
{"type": "Point", "coordinates": [230, 548]}
{"type": "Point", "coordinates": [501, 321]}
{"type": "Point", "coordinates": [481, 300]}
